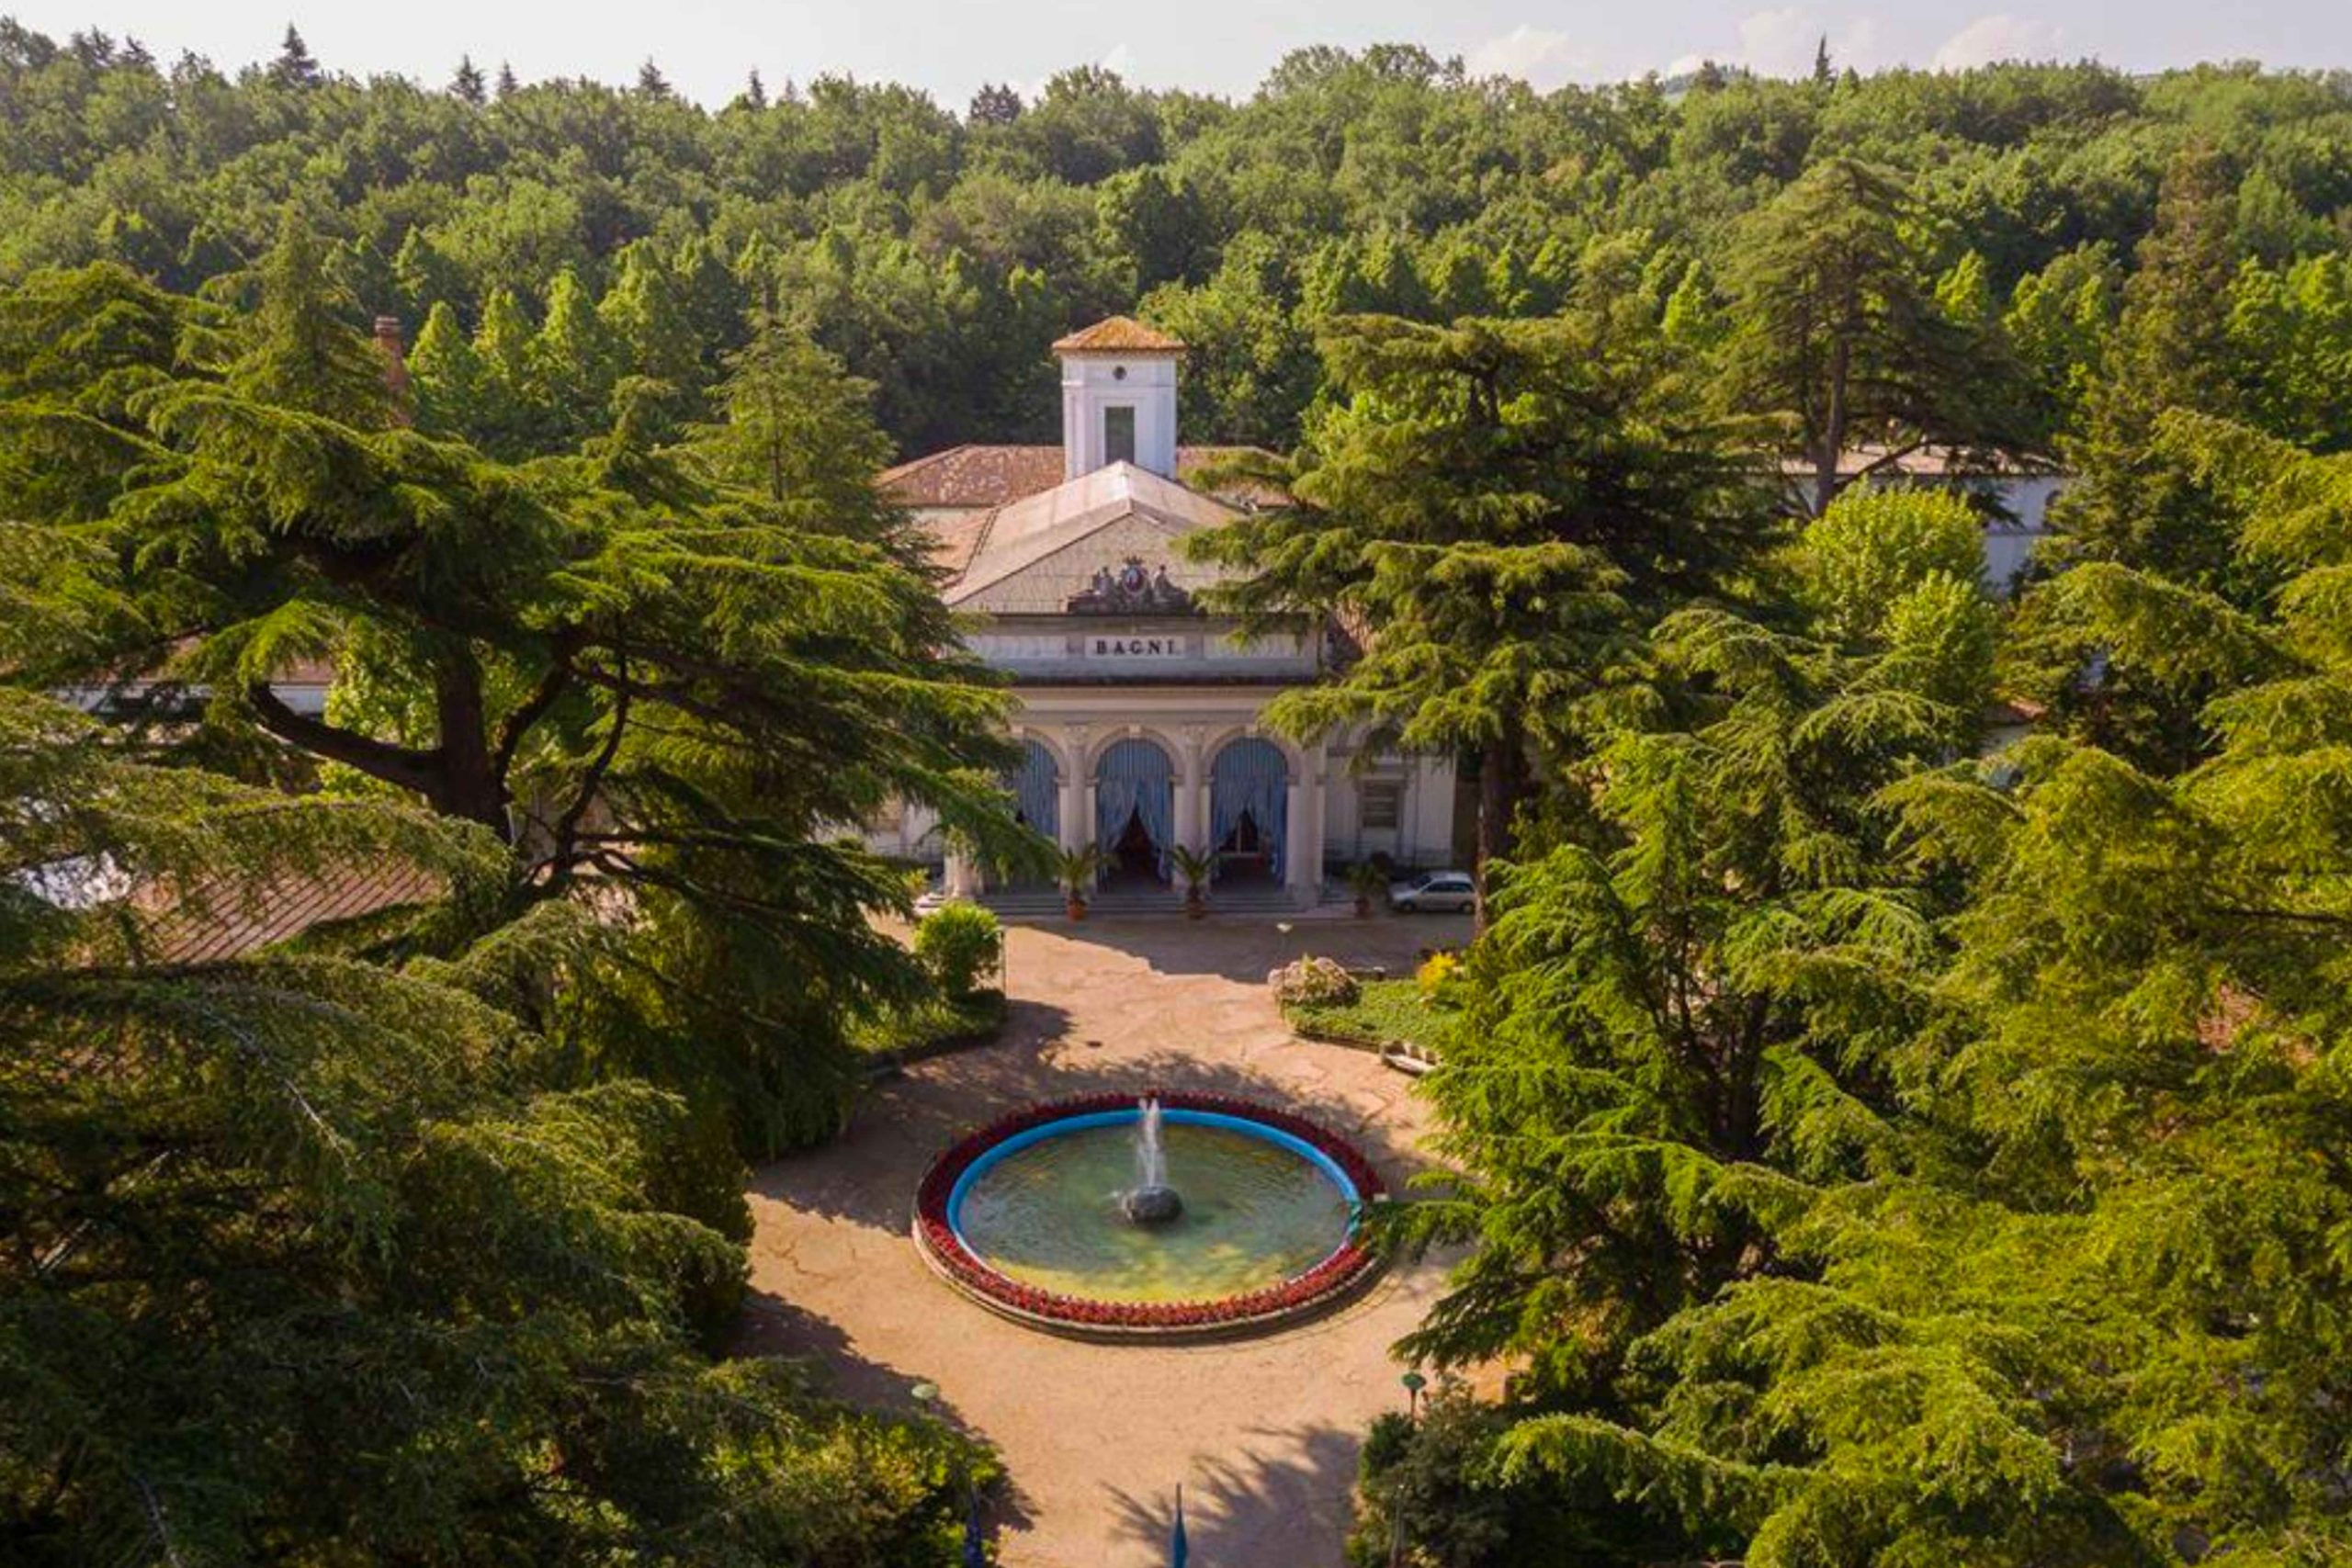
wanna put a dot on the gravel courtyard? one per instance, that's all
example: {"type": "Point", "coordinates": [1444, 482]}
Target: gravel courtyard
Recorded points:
{"type": "Point", "coordinates": [1263, 1433]}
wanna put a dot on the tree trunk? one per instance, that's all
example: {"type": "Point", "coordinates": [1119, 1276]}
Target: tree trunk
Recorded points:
{"type": "Point", "coordinates": [1502, 785]}
{"type": "Point", "coordinates": [1832, 424]}
{"type": "Point", "coordinates": [467, 784]}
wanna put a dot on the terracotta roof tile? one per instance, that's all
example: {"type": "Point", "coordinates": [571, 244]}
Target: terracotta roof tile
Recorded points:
{"type": "Point", "coordinates": [998, 476]}
{"type": "Point", "coordinates": [220, 920]}
{"type": "Point", "coordinates": [1119, 335]}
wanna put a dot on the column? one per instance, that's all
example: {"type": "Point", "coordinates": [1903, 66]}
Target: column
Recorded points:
{"type": "Point", "coordinates": [1303, 849]}
{"type": "Point", "coordinates": [1296, 876]}
{"type": "Point", "coordinates": [1076, 821]}
{"type": "Point", "coordinates": [1192, 824]}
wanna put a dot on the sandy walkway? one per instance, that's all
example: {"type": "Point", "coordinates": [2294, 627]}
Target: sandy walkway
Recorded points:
{"type": "Point", "coordinates": [1263, 1434]}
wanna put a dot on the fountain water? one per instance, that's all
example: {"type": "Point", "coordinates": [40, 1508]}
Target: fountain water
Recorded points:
{"type": "Point", "coordinates": [1151, 1201]}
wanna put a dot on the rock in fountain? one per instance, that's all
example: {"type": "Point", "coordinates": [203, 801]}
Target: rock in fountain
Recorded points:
{"type": "Point", "coordinates": [1151, 1201]}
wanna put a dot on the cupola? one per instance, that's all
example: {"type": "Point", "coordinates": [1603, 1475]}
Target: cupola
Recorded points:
{"type": "Point", "coordinates": [1119, 397]}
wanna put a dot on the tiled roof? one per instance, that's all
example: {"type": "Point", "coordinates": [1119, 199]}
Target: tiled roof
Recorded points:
{"type": "Point", "coordinates": [996, 476]}
{"type": "Point", "coordinates": [1054, 542]}
{"type": "Point", "coordinates": [220, 920]}
{"type": "Point", "coordinates": [1119, 335]}
{"type": "Point", "coordinates": [1930, 462]}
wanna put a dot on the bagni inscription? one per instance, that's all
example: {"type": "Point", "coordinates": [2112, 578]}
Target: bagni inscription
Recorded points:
{"type": "Point", "coordinates": [1137, 647]}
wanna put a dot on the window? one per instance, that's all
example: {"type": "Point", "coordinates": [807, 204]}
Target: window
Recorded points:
{"type": "Point", "coordinates": [1382, 804]}
{"type": "Point", "coordinates": [1119, 434]}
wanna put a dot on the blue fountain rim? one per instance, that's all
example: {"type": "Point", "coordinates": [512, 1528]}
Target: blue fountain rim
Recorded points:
{"type": "Point", "coordinates": [1014, 1143]}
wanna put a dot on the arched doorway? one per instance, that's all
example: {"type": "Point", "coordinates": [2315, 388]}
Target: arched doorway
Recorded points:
{"type": "Point", "coordinates": [1135, 809]}
{"type": "Point", "coordinates": [1035, 787]}
{"type": "Point", "coordinates": [1249, 808]}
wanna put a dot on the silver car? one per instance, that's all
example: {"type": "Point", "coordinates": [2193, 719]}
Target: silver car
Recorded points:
{"type": "Point", "coordinates": [1433, 892]}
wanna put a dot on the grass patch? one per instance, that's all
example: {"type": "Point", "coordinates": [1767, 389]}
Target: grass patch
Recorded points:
{"type": "Point", "coordinates": [1385, 1012]}
{"type": "Point", "coordinates": [931, 1026]}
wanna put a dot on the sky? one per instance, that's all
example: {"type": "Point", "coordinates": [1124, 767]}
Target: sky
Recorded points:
{"type": "Point", "coordinates": [705, 48]}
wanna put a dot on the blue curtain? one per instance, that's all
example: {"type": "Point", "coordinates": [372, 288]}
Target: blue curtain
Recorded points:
{"type": "Point", "coordinates": [1250, 776]}
{"type": "Point", "coordinates": [1134, 779]}
{"type": "Point", "coordinates": [1035, 792]}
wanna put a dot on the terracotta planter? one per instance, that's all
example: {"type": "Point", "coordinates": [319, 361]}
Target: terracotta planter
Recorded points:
{"type": "Point", "coordinates": [1077, 908]}
{"type": "Point", "coordinates": [1363, 908]}
{"type": "Point", "coordinates": [1195, 906]}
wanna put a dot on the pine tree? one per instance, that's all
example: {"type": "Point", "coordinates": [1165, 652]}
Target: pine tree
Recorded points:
{"type": "Point", "coordinates": [2169, 350]}
{"type": "Point", "coordinates": [1508, 505]}
{"type": "Point", "coordinates": [994, 105]}
{"type": "Point", "coordinates": [755, 92]}
{"type": "Point", "coordinates": [294, 67]}
{"type": "Point", "coordinates": [650, 82]}
{"type": "Point", "coordinates": [511, 422]}
{"type": "Point", "coordinates": [320, 1260]}
{"type": "Point", "coordinates": [644, 322]}
{"type": "Point", "coordinates": [538, 642]}
{"type": "Point", "coordinates": [1834, 331]}
{"type": "Point", "coordinates": [507, 86]}
{"type": "Point", "coordinates": [799, 429]}
{"type": "Point", "coordinates": [449, 377]}
{"type": "Point", "coordinates": [467, 84]}
{"type": "Point", "coordinates": [573, 364]}
{"type": "Point", "coordinates": [426, 277]}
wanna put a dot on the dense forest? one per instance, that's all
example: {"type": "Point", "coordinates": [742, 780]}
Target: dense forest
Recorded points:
{"type": "Point", "coordinates": [1863, 1144]}
{"type": "Point", "coordinates": [547, 239]}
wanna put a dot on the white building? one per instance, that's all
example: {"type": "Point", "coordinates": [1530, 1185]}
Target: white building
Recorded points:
{"type": "Point", "coordinates": [2013, 495]}
{"type": "Point", "coordinates": [1138, 711]}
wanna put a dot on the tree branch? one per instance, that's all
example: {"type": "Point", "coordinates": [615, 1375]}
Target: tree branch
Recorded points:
{"type": "Point", "coordinates": [532, 708]}
{"type": "Point", "coordinates": [403, 765]}
{"type": "Point", "coordinates": [566, 826]}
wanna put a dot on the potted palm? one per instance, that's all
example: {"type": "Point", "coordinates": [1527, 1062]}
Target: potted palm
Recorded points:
{"type": "Point", "coordinates": [1078, 869]}
{"type": "Point", "coordinates": [1196, 866]}
{"type": "Point", "coordinates": [1369, 882]}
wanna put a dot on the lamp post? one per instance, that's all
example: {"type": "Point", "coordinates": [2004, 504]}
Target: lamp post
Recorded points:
{"type": "Point", "coordinates": [1414, 1382]}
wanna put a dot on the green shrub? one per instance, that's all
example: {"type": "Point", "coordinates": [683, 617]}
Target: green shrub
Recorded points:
{"type": "Point", "coordinates": [958, 944]}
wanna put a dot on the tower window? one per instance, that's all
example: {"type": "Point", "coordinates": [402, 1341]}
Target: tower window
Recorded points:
{"type": "Point", "coordinates": [1119, 435]}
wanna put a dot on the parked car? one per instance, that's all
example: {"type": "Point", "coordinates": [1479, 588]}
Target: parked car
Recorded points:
{"type": "Point", "coordinates": [1433, 892]}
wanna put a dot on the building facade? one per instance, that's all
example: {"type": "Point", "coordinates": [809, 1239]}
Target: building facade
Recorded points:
{"type": "Point", "coordinates": [1139, 712]}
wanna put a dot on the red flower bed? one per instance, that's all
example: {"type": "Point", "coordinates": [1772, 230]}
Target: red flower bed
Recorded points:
{"type": "Point", "coordinates": [1326, 1279]}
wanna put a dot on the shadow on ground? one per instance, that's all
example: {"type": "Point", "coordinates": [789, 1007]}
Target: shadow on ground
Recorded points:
{"type": "Point", "coordinates": [1243, 947]}
{"type": "Point", "coordinates": [1246, 1507]}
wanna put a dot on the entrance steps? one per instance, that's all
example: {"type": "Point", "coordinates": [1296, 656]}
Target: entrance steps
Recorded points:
{"type": "Point", "coordinates": [1263, 899]}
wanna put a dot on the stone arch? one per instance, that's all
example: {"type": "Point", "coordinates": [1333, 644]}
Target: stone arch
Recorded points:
{"type": "Point", "coordinates": [1100, 739]}
{"type": "Point", "coordinates": [1250, 779]}
{"type": "Point", "coordinates": [1135, 803]}
{"type": "Point", "coordinates": [1037, 786]}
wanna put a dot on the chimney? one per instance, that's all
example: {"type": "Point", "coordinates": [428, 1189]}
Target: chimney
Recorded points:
{"type": "Point", "coordinates": [388, 343]}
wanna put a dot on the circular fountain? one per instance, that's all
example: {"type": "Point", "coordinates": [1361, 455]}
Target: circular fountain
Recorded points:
{"type": "Point", "coordinates": [1170, 1215]}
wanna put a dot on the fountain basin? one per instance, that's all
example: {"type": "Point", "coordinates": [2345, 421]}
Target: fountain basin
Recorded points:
{"type": "Point", "coordinates": [1025, 1217]}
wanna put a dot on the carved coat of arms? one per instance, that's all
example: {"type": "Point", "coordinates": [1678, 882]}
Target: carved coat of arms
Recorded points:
{"type": "Point", "coordinates": [1131, 590]}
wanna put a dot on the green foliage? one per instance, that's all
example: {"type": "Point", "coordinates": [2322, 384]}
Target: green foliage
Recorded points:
{"type": "Point", "coordinates": [1196, 866]}
{"type": "Point", "coordinates": [322, 1255]}
{"type": "Point", "coordinates": [934, 255]}
{"type": "Point", "coordinates": [1379, 1013]}
{"type": "Point", "coordinates": [1841, 331]}
{"type": "Point", "coordinates": [1506, 501]}
{"type": "Point", "coordinates": [639, 677]}
{"type": "Point", "coordinates": [2026, 1249]}
{"type": "Point", "coordinates": [1855, 562]}
{"type": "Point", "coordinates": [959, 945]}
{"type": "Point", "coordinates": [1075, 869]}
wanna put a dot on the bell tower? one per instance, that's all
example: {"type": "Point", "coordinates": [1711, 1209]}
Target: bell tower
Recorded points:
{"type": "Point", "coordinates": [1119, 397]}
